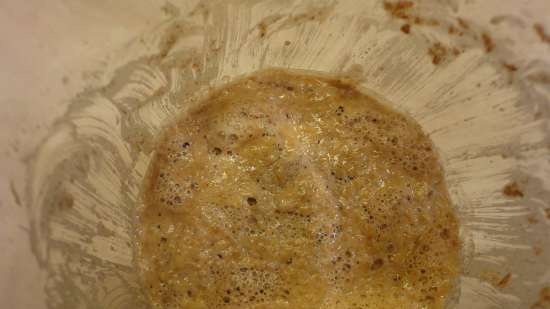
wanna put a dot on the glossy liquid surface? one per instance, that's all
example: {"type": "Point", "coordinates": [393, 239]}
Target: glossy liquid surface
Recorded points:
{"type": "Point", "coordinates": [297, 191]}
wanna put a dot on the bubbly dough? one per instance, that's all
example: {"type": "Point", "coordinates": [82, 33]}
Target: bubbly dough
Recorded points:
{"type": "Point", "coordinates": [287, 190]}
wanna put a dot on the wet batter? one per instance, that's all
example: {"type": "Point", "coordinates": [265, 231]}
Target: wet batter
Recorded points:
{"type": "Point", "coordinates": [287, 190]}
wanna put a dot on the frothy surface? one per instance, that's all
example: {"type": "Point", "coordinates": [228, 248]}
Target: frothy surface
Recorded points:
{"type": "Point", "coordinates": [297, 191]}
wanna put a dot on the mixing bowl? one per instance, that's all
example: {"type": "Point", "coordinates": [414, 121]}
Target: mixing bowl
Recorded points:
{"type": "Point", "coordinates": [89, 85]}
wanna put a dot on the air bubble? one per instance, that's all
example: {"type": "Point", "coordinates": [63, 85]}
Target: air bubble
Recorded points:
{"type": "Point", "coordinates": [251, 201]}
